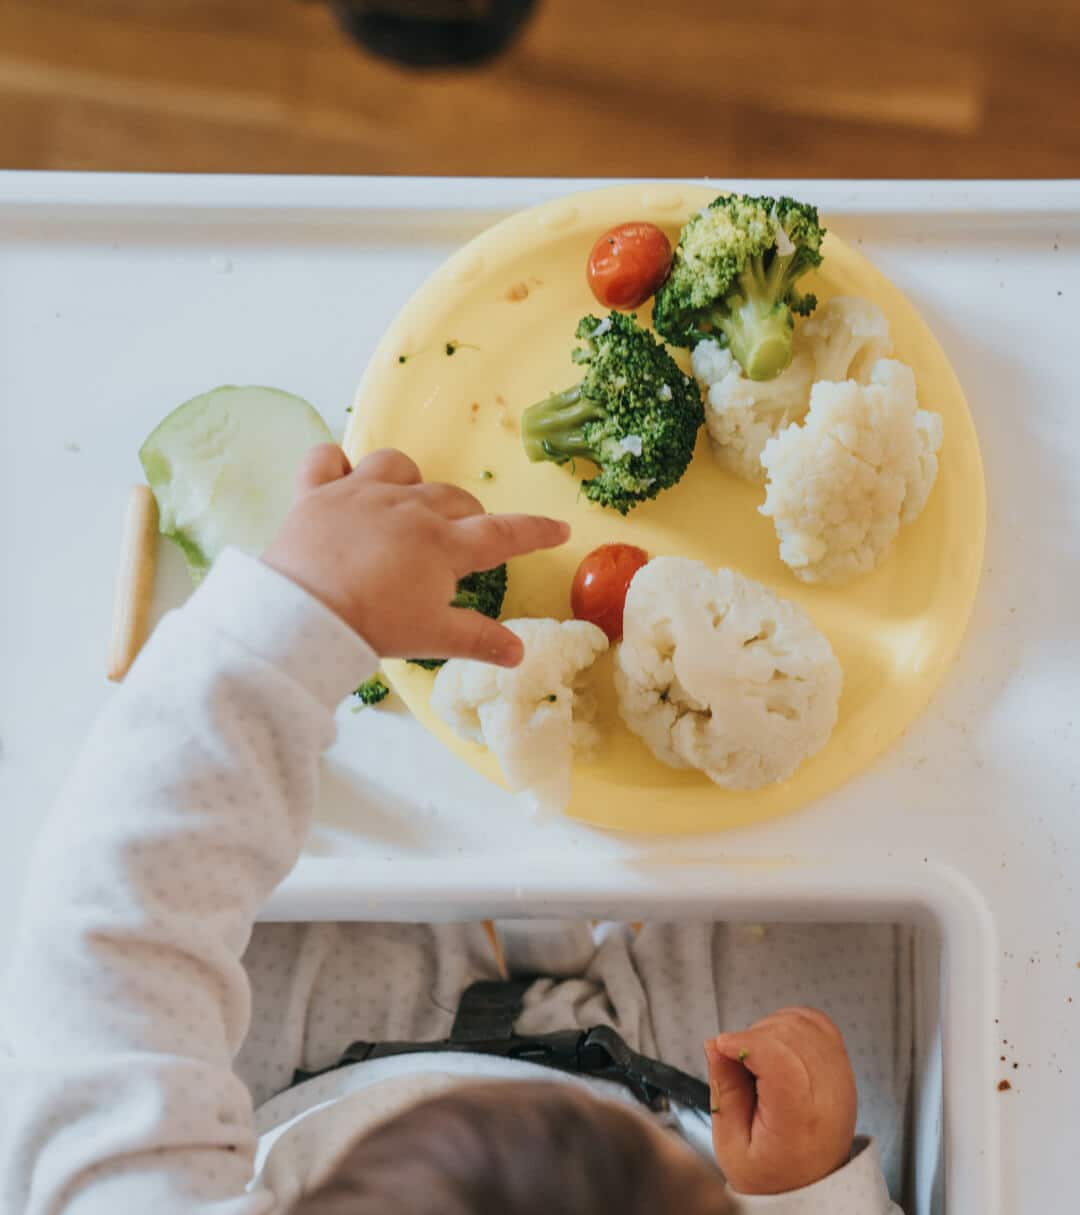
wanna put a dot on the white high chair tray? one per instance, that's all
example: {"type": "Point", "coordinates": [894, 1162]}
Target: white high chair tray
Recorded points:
{"type": "Point", "coordinates": [121, 296]}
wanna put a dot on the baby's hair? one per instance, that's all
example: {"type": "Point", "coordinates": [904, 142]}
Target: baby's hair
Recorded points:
{"type": "Point", "coordinates": [517, 1148]}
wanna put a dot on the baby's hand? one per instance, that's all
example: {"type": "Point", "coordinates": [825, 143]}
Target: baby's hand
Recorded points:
{"type": "Point", "coordinates": [783, 1102]}
{"type": "Point", "coordinates": [385, 552]}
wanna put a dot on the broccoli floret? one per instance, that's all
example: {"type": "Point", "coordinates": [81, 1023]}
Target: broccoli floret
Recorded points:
{"type": "Point", "coordinates": [634, 415]}
{"type": "Point", "coordinates": [733, 279]}
{"type": "Point", "coordinates": [482, 592]}
{"type": "Point", "coordinates": [371, 691]}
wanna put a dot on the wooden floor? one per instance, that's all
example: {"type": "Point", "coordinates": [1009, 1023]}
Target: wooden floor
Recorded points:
{"type": "Point", "coordinates": [875, 88]}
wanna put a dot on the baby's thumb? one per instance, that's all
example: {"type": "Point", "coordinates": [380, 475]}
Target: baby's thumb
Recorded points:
{"type": "Point", "coordinates": [320, 466]}
{"type": "Point", "coordinates": [732, 1098]}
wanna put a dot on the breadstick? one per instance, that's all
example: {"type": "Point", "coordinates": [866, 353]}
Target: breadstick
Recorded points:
{"type": "Point", "coordinates": [496, 945]}
{"type": "Point", "coordinates": [134, 582]}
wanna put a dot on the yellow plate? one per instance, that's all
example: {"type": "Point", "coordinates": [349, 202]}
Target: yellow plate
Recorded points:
{"type": "Point", "coordinates": [515, 293]}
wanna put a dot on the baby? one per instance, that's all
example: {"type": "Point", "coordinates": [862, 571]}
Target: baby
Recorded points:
{"type": "Point", "coordinates": [129, 1001]}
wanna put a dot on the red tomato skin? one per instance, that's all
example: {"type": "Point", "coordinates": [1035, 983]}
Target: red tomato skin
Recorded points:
{"type": "Point", "coordinates": [628, 264]}
{"type": "Point", "coordinates": [598, 592]}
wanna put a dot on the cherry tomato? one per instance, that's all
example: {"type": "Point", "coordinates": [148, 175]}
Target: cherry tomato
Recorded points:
{"type": "Point", "coordinates": [598, 593]}
{"type": "Point", "coordinates": [628, 264]}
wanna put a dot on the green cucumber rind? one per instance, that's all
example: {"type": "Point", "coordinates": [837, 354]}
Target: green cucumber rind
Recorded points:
{"type": "Point", "coordinates": [156, 450]}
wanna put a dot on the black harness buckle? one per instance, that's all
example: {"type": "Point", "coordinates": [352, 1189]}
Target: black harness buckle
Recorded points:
{"type": "Point", "coordinates": [484, 1026]}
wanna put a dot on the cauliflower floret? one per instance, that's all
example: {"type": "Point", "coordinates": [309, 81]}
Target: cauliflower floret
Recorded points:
{"type": "Point", "coordinates": [840, 485]}
{"type": "Point", "coordinates": [847, 336]}
{"type": "Point", "coordinates": [716, 672]}
{"type": "Point", "coordinates": [741, 415]}
{"type": "Point", "coordinates": [840, 341]}
{"type": "Point", "coordinates": [531, 717]}
{"type": "Point", "coordinates": [930, 432]}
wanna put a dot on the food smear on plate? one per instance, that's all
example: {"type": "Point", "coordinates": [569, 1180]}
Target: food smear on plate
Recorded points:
{"type": "Point", "coordinates": [718, 673]}
{"type": "Point", "coordinates": [533, 717]}
{"type": "Point", "coordinates": [634, 414]}
{"type": "Point", "coordinates": [734, 279]}
{"type": "Point", "coordinates": [861, 464]}
{"type": "Point", "coordinates": [223, 467]}
{"type": "Point", "coordinates": [627, 265]}
{"type": "Point", "coordinates": [598, 592]}
{"type": "Point", "coordinates": [520, 291]}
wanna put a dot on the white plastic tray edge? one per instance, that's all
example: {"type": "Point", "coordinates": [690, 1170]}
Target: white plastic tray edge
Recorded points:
{"type": "Point", "coordinates": [716, 887]}
{"type": "Point", "coordinates": [275, 193]}
{"type": "Point", "coordinates": [633, 881]}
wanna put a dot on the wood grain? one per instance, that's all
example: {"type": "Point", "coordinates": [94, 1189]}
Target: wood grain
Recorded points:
{"type": "Point", "coordinates": [900, 88]}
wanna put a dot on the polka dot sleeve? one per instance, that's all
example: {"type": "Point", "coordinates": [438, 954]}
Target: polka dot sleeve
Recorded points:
{"type": "Point", "coordinates": [856, 1189]}
{"type": "Point", "coordinates": [126, 1001]}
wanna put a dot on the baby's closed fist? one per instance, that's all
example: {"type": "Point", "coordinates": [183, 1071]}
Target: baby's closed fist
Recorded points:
{"type": "Point", "coordinates": [385, 551]}
{"type": "Point", "coordinates": [783, 1102]}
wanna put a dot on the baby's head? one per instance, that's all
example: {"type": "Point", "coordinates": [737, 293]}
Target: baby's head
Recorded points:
{"type": "Point", "coordinates": [518, 1149]}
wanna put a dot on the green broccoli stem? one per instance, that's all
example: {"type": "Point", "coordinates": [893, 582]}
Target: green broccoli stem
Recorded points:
{"type": "Point", "coordinates": [552, 429]}
{"type": "Point", "coordinates": [759, 326]}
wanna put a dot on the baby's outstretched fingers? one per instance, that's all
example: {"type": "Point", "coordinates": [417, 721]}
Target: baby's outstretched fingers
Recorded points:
{"type": "Point", "coordinates": [469, 634]}
{"type": "Point", "coordinates": [320, 466]}
{"type": "Point", "coordinates": [391, 466]}
{"type": "Point", "coordinates": [450, 501]}
{"type": "Point", "coordinates": [489, 540]}
{"type": "Point", "coordinates": [385, 550]}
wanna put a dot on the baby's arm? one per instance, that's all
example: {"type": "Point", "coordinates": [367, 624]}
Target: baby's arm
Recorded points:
{"type": "Point", "coordinates": [127, 1001]}
{"type": "Point", "coordinates": [783, 1119]}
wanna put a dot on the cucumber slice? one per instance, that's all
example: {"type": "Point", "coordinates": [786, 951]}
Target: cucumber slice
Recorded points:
{"type": "Point", "coordinates": [223, 468]}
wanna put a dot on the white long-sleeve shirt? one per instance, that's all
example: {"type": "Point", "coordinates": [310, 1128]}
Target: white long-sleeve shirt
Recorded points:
{"type": "Point", "coordinates": [128, 1002]}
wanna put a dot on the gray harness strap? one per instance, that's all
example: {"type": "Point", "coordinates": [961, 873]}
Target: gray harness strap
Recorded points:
{"type": "Point", "coordinates": [484, 1025]}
